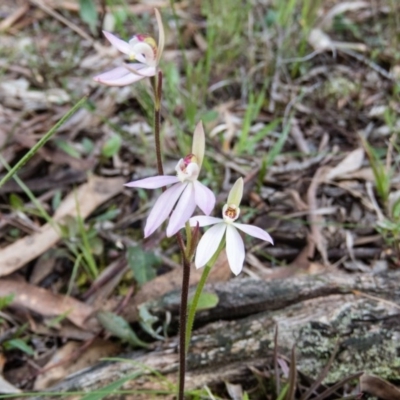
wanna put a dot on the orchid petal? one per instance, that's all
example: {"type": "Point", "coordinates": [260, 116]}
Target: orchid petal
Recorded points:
{"type": "Point", "coordinates": [119, 76]}
{"type": "Point", "coordinates": [236, 193]}
{"type": "Point", "coordinates": [234, 249]}
{"type": "Point", "coordinates": [204, 197]}
{"type": "Point", "coordinates": [255, 231]}
{"type": "Point", "coordinates": [204, 220]}
{"type": "Point", "coordinates": [163, 207]}
{"type": "Point", "coordinates": [209, 243]}
{"type": "Point", "coordinates": [183, 211]}
{"type": "Point", "coordinates": [161, 36]}
{"type": "Point", "coordinates": [199, 143]}
{"type": "Point", "coordinates": [154, 182]}
{"type": "Point", "coordinates": [141, 69]}
{"type": "Point", "coordinates": [115, 73]}
{"type": "Point", "coordinates": [192, 170]}
{"type": "Point", "coordinates": [144, 53]}
{"type": "Point", "coordinates": [118, 43]}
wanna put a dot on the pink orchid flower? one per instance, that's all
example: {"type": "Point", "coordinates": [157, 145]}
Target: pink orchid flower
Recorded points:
{"type": "Point", "coordinates": [142, 48]}
{"type": "Point", "coordinates": [211, 240]}
{"type": "Point", "coordinates": [185, 193]}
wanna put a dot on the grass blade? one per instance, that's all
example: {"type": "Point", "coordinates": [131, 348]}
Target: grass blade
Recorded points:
{"type": "Point", "coordinates": [41, 142]}
{"type": "Point", "coordinates": [112, 387]}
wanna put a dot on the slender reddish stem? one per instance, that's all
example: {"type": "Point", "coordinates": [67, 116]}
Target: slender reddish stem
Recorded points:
{"type": "Point", "coordinates": [157, 87]}
{"type": "Point", "coordinates": [183, 318]}
{"type": "Point", "coordinates": [157, 120]}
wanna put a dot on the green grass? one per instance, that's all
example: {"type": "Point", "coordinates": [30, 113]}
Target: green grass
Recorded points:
{"type": "Point", "coordinates": [81, 249]}
{"type": "Point", "coordinates": [41, 142]}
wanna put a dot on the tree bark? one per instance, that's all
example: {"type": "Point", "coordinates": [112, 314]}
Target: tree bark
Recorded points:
{"type": "Point", "coordinates": [358, 312]}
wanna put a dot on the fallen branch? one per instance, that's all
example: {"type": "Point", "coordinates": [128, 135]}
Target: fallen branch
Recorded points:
{"type": "Point", "coordinates": [316, 313]}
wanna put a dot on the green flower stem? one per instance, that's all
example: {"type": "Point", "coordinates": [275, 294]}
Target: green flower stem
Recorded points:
{"type": "Point", "coordinates": [188, 230]}
{"type": "Point", "coordinates": [199, 290]}
{"type": "Point", "coordinates": [41, 142]}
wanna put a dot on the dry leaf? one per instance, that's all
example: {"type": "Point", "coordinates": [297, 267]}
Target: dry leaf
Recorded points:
{"type": "Point", "coordinates": [352, 162]}
{"type": "Point", "coordinates": [316, 221]}
{"type": "Point", "coordinates": [379, 387]}
{"type": "Point", "coordinates": [7, 388]}
{"type": "Point", "coordinates": [105, 283]}
{"type": "Point", "coordinates": [9, 21]}
{"type": "Point", "coordinates": [364, 174]}
{"type": "Point", "coordinates": [68, 360]}
{"type": "Point", "coordinates": [44, 265]}
{"type": "Point", "coordinates": [341, 8]}
{"type": "Point", "coordinates": [357, 266]}
{"type": "Point", "coordinates": [89, 196]}
{"type": "Point", "coordinates": [298, 137]}
{"type": "Point", "coordinates": [45, 302]}
{"type": "Point", "coordinates": [234, 391]}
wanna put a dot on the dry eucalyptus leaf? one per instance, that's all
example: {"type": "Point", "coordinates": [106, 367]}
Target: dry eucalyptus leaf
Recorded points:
{"type": "Point", "coordinates": [7, 388]}
{"type": "Point", "coordinates": [379, 387]}
{"type": "Point", "coordinates": [317, 221]}
{"type": "Point", "coordinates": [352, 162]}
{"type": "Point", "coordinates": [89, 196]}
{"type": "Point", "coordinates": [357, 266]}
{"type": "Point", "coordinates": [341, 8]}
{"type": "Point", "coordinates": [67, 361]}
{"type": "Point", "coordinates": [363, 174]}
{"type": "Point", "coordinates": [44, 302]}
{"type": "Point", "coordinates": [235, 391]}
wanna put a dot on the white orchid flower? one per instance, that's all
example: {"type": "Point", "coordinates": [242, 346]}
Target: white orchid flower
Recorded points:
{"type": "Point", "coordinates": [142, 48]}
{"type": "Point", "coordinates": [211, 240]}
{"type": "Point", "coordinates": [185, 193]}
